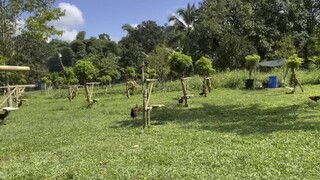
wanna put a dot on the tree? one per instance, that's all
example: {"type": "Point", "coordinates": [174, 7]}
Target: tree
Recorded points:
{"type": "Point", "coordinates": [183, 25]}
{"type": "Point", "coordinates": [104, 80]}
{"type": "Point", "coordinates": [79, 48]}
{"type": "Point", "coordinates": [33, 53]}
{"type": "Point", "coordinates": [85, 71]}
{"type": "Point", "coordinates": [104, 36]}
{"type": "Point", "coordinates": [159, 61]}
{"type": "Point", "coordinates": [294, 63]}
{"type": "Point", "coordinates": [130, 73]}
{"type": "Point", "coordinates": [39, 14]}
{"type": "Point", "coordinates": [252, 62]}
{"type": "Point", "coordinates": [47, 82]}
{"type": "Point", "coordinates": [185, 19]}
{"type": "Point", "coordinates": [180, 63]}
{"type": "Point", "coordinates": [81, 35]}
{"type": "Point", "coordinates": [203, 66]}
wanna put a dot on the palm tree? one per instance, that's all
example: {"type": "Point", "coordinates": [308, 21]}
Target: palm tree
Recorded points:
{"type": "Point", "coordinates": [183, 25]}
{"type": "Point", "coordinates": [185, 19]}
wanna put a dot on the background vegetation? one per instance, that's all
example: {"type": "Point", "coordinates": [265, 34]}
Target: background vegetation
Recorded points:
{"type": "Point", "coordinates": [223, 31]}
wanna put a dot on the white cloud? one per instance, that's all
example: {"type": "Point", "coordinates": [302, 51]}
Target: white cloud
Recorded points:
{"type": "Point", "coordinates": [69, 35]}
{"type": "Point", "coordinates": [70, 22]}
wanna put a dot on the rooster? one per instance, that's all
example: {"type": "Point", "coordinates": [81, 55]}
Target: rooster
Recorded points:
{"type": "Point", "coordinates": [314, 98]}
{"type": "Point", "coordinates": [134, 112]}
{"type": "Point", "coordinates": [4, 115]}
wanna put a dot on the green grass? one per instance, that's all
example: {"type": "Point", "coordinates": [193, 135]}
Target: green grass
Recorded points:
{"type": "Point", "coordinates": [231, 134]}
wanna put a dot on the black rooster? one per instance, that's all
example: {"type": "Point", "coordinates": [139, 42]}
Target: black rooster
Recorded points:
{"type": "Point", "coordinates": [134, 112]}
{"type": "Point", "coordinates": [314, 98]}
{"type": "Point", "coordinates": [4, 115]}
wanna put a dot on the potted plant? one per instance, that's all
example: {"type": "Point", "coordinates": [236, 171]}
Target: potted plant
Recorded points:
{"type": "Point", "coordinates": [294, 63]}
{"type": "Point", "coordinates": [251, 62]}
{"type": "Point", "coordinates": [203, 67]}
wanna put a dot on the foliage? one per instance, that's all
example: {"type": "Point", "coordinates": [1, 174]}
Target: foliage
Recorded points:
{"type": "Point", "coordinates": [185, 19]}
{"type": "Point", "coordinates": [130, 73]}
{"type": "Point", "coordinates": [180, 63]}
{"type": "Point", "coordinates": [59, 81]}
{"type": "Point", "coordinates": [147, 35]}
{"type": "Point", "coordinates": [115, 74]}
{"type": "Point", "coordinates": [105, 79]}
{"type": "Point", "coordinates": [159, 61]}
{"type": "Point", "coordinates": [79, 48]}
{"type": "Point", "coordinates": [203, 66]}
{"type": "Point", "coordinates": [294, 62]}
{"type": "Point", "coordinates": [36, 14]}
{"type": "Point", "coordinates": [315, 60]}
{"type": "Point", "coordinates": [252, 62]}
{"type": "Point", "coordinates": [84, 70]}
{"type": "Point", "coordinates": [16, 77]}
{"type": "Point", "coordinates": [150, 73]}
{"type": "Point", "coordinates": [46, 81]}
{"type": "Point", "coordinates": [286, 47]}
{"type": "Point", "coordinates": [70, 75]}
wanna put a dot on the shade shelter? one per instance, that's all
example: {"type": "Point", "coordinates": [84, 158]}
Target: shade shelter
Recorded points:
{"type": "Point", "coordinates": [272, 81]}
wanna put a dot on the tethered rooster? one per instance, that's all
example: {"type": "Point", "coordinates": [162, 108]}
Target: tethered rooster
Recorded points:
{"type": "Point", "coordinates": [315, 98]}
{"type": "Point", "coordinates": [134, 112]}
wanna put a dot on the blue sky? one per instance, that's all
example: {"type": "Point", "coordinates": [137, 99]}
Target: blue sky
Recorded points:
{"type": "Point", "coordinates": [107, 16]}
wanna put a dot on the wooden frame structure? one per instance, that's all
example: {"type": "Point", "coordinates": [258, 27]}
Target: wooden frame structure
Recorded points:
{"type": "Point", "coordinates": [146, 102]}
{"type": "Point", "coordinates": [185, 96]}
{"type": "Point", "coordinates": [15, 93]}
{"type": "Point", "coordinates": [130, 87]}
{"type": "Point", "coordinates": [206, 86]}
{"type": "Point", "coordinates": [12, 92]}
{"type": "Point", "coordinates": [90, 87]}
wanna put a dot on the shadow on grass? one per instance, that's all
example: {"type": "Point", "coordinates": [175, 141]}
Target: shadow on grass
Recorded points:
{"type": "Point", "coordinates": [129, 123]}
{"type": "Point", "coordinates": [241, 120]}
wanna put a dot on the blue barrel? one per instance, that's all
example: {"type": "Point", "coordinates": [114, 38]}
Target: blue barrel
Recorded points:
{"type": "Point", "coordinates": [273, 82]}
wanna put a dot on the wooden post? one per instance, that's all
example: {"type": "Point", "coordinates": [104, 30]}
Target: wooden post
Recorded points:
{"type": "Point", "coordinates": [145, 107]}
{"type": "Point", "coordinates": [146, 102]}
{"type": "Point", "coordinates": [184, 90]}
{"type": "Point", "coordinates": [148, 116]}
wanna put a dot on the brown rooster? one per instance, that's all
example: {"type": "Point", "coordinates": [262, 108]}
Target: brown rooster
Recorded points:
{"type": "Point", "coordinates": [134, 112]}
{"type": "Point", "coordinates": [314, 98]}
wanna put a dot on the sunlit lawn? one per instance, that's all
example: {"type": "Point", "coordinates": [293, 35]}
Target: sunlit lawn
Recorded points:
{"type": "Point", "coordinates": [244, 134]}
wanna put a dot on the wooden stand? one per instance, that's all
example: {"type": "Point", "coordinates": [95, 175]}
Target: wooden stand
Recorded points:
{"type": "Point", "coordinates": [12, 92]}
{"type": "Point", "coordinates": [294, 82]}
{"type": "Point", "coordinates": [73, 91]}
{"type": "Point", "coordinates": [89, 92]}
{"type": "Point", "coordinates": [185, 96]}
{"type": "Point", "coordinates": [130, 88]}
{"type": "Point", "coordinates": [15, 93]}
{"type": "Point", "coordinates": [146, 102]}
{"type": "Point", "coordinates": [206, 86]}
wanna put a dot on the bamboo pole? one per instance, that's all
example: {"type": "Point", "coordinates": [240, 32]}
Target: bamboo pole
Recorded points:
{"type": "Point", "coordinates": [145, 107]}
{"type": "Point", "coordinates": [185, 97]}
{"type": "Point", "coordinates": [14, 68]}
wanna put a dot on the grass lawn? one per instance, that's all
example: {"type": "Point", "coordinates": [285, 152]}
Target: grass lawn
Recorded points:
{"type": "Point", "coordinates": [231, 134]}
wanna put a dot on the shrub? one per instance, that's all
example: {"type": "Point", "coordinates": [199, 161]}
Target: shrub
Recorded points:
{"type": "Point", "coordinates": [252, 62]}
{"type": "Point", "coordinates": [203, 66]}
{"type": "Point", "coordinates": [180, 63]}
